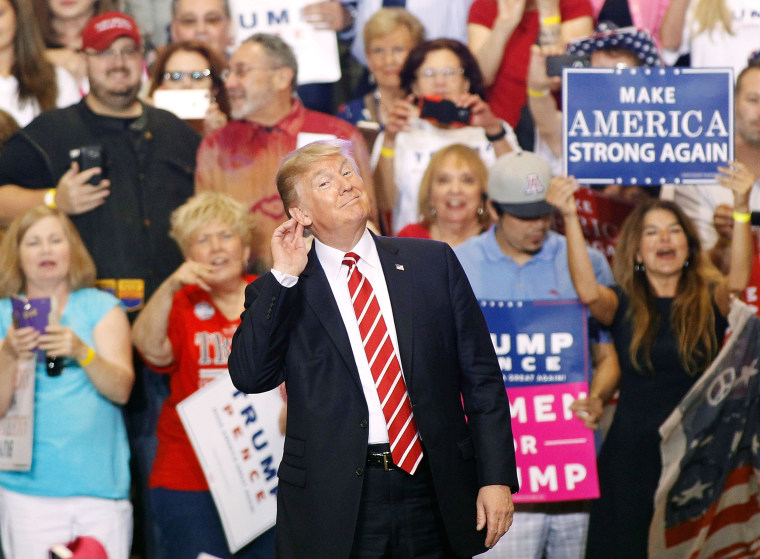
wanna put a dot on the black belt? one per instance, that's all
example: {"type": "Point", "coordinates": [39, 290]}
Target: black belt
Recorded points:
{"type": "Point", "coordinates": [379, 456]}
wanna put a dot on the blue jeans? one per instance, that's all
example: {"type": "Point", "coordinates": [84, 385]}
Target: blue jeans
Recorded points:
{"type": "Point", "coordinates": [189, 523]}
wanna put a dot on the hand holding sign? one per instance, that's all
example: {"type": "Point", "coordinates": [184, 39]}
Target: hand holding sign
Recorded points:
{"type": "Point", "coordinates": [739, 179]}
{"type": "Point", "coordinates": [560, 194]}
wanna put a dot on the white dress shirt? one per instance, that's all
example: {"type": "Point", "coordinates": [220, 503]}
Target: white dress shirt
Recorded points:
{"type": "Point", "coordinates": [369, 265]}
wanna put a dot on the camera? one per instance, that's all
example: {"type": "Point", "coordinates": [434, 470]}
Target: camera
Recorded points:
{"type": "Point", "coordinates": [88, 157]}
{"type": "Point", "coordinates": [443, 111]}
{"type": "Point", "coordinates": [555, 64]}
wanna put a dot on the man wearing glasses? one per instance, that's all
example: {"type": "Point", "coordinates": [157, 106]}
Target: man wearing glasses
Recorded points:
{"type": "Point", "coordinates": [269, 122]}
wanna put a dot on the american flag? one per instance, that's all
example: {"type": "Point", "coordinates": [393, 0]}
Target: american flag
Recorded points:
{"type": "Point", "coordinates": [707, 502]}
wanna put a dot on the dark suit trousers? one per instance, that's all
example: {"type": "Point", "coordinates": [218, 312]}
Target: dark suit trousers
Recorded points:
{"type": "Point", "coordinates": [399, 517]}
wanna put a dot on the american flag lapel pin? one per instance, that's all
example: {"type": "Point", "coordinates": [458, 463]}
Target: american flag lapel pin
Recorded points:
{"type": "Point", "coordinates": [400, 267]}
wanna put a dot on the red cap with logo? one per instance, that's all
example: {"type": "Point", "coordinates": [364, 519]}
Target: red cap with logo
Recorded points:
{"type": "Point", "coordinates": [104, 29]}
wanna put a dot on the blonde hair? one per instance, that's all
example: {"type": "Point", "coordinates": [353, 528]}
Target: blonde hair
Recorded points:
{"type": "Point", "coordinates": [692, 317]}
{"type": "Point", "coordinates": [709, 14]}
{"type": "Point", "coordinates": [462, 154]}
{"type": "Point", "coordinates": [12, 280]}
{"type": "Point", "coordinates": [297, 163]}
{"type": "Point", "coordinates": [202, 209]}
{"type": "Point", "coordinates": [386, 20]}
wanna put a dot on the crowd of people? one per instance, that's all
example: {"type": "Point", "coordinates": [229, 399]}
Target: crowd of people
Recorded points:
{"type": "Point", "coordinates": [140, 144]}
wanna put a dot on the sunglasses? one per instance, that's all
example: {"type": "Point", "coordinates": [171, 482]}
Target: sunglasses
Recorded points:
{"type": "Point", "coordinates": [194, 75]}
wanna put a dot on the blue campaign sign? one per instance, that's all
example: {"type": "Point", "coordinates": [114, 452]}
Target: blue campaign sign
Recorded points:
{"type": "Point", "coordinates": [647, 126]}
{"type": "Point", "coordinates": [539, 342]}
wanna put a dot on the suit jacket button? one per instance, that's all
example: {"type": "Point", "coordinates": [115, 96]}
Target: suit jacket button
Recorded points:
{"type": "Point", "coordinates": [359, 471]}
{"type": "Point", "coordinates": [363, 424]}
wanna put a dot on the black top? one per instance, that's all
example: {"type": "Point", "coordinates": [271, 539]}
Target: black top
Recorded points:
{"type": "Point", "coordinates": [150, 161]}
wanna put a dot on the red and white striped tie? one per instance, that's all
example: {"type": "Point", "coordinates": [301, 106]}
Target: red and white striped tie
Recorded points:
{"type": "Point", "coordinates": [406, 449]}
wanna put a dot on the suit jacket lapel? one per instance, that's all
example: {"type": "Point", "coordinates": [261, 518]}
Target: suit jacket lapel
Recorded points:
{"type": "Point", "coordinates": [398, 277]}
{"type": "Point", "coordinates": [318, 295]}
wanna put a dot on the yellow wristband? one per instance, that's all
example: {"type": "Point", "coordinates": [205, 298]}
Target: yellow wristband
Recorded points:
{"type": "Point", "coordinates": [386, 152]}
{"type": "Point", "coordinates": [742, 217]}
{"type": "Point", "coordinates": [538, 93]}
{"type": "Point", "coordinates": [49, 198]}
{"type": "Point", "coordinates": [595, 395]}
{"type": "Point", "coordinates": [552, 20]}
{"type": "Point", "coordinates": [90, 356]}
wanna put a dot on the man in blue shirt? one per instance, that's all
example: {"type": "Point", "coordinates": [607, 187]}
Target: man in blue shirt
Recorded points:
{"type": "Point", "coordinates": [521, 259]}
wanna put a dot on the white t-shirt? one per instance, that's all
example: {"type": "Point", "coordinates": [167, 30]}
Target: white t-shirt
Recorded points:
{"type": "Point", "coordinates": [24, 113]}
{"type": "Point", "coordinates": [413, 150]}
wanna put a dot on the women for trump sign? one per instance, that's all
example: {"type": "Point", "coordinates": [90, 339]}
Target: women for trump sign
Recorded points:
{"type": "Point", "coordinates": [542, 348]}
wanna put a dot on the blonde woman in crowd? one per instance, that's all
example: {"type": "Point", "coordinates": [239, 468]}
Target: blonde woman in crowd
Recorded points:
{"type": "Point", "coordinates": [716, 33]}
{"type": "Point", "coordinates": [79, 479]}
{"type": "Point", "coordinates": [185, 331]}
{"type": "Point", "coordinates": [453, 197]}
{"type": "Point", "coordinates": [389, 35]}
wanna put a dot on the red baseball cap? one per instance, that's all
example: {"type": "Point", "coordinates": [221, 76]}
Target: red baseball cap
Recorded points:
{"type": "Point", "coordinates": [104, 29]}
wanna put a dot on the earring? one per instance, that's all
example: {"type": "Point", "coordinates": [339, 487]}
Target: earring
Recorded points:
{"type": "Point", "coordinates": [639, 267]}
{"type": "Point", "coordinates": [480, 211]}
{"type": "Point", "coordinates": [432, 212]}
{"type": "Point", "coordinates": [371, 79]}
{"type": "Point", "coordinates": [686, 264]}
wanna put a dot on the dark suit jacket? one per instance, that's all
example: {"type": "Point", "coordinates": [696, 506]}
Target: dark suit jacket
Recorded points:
{"type": "Point", "coordinates": [297, 335]}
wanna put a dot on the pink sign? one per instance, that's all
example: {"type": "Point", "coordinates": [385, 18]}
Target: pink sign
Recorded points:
{"type": "Point", "coordinates": [556, 457]}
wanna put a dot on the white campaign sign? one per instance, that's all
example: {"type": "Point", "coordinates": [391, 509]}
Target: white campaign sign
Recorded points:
{"type": "Point", "coordinates": [17, 426]}
{"type": "Point", "coordinates": [238, 442]}
{"type": "Point", "coordinates": [316, 50]}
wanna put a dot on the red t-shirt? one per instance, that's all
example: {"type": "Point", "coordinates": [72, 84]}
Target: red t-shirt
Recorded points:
{"type": "Point", "coordinates": [201, 337]}
{"type": "Point", "coordinates": [415, 230]}
{"type": "Point", "coordinates": [507, 94]}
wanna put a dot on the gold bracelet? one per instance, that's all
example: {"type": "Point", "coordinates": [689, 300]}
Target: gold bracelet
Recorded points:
{"type": "Point", "coordinates": [741, 217]}
{"type": "Point", "coordinates": [49, 198]}
{"type": "Point", "coordinates": [552, 20]}
{"type": "Point", "coordinates": [537, 93]}
{"type": "Point", "coordinates": [387, 152]}
{"type": "Point", "coordinates": [596, 395]}
{"type": "Point", "coordinates": [90, 356]}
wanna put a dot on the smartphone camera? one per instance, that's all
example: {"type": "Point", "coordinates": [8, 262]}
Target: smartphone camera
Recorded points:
{"type": "Point", "coordinates": [443, 111]}
{"type": "Point", "coordinates": [555, 64]}
{"type": "Point", "coordinates": [88, 157]}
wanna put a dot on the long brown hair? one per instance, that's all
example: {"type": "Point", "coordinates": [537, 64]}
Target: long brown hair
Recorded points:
{"type": "Point", "coordinates": [215, 64]}
{"type": "Point", "coordinates": [35, 75]}
{"type": "Point", "coordinates": [12, 279]}
{"type": "Point", "coordinates": [44, 18]}
{"type": "Point", "coordinates": [692, 316]}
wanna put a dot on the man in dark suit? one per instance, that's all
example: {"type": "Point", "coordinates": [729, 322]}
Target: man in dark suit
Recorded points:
{"type": "Point", "coordinates": [355, 481]}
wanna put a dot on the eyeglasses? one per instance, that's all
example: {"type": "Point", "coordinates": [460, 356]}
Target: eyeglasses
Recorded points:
{"type": "Point", "coordinates": [242, 70]}
{"type": "Point", "coordinates": [396, 52]}
{"type": "Point", "coordinates": [194, 75]}
{"type": "Point", "coordinates": [447, 73]}
{"type": "Point", "coordinates": [113, 54]}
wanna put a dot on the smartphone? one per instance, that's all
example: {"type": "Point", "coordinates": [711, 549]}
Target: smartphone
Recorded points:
{"type": "Point", "coordinates": [187, 104]}
{"type": "Point", "coordinates": [88, 157]}
{"type": "Point", "coordinates": [555, 64]}
{"type": "Point", "coordinates": [443, 111]}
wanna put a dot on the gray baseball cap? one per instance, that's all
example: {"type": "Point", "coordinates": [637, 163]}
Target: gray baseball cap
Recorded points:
{"type": "Point", "coordinates": [517, 184]}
